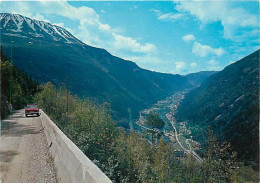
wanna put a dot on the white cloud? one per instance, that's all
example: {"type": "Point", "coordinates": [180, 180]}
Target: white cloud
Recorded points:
{"type": "Point", "coordinates": [167, 16]}
{"type": "Point", "coordinates": [144, 60]}
{"type": "Point", "coordinates": [89, 29]}
{"type": "Point", "coordinates": [59, 24]}
{"type": "Point", "coordinates": [256, 47]}
{"type": "Point", "coordinates": [155, 11]}
{"type": "Point", "coordinates": [95, 33]}
{"type": "Point", "coordinates": [231, 17]}
{"type": "Point", "coordinates": [180, 67]}
{"type": "Point", "coordinates": [133, 8]}
{"type": "Point", "coordinates": [188, 38]}
{"type": "Point", "coordinates": [231, 62]}
{"type": "Point", "coordinates": [213, 62]}
{"type": "Point", "coordinates": [127, 43]}
{"type": "Point", "coordinates": [213, 65]}
{"type": "Point", "coordinates": [104, 27]}
{"type": "Point", "coordinates": [193, 64]}
{"type": "Point", "coordinates": [40, 17]}
{"type": "Point", "coordinates": [170, 16]}
{"type": "Point", "coordinates": [205, 50]}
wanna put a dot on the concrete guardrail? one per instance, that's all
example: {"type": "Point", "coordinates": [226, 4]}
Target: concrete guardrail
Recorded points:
{"type": "Point", "coordinates": [71, 164]}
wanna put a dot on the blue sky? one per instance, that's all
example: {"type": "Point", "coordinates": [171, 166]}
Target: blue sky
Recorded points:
{"type": "Point", "coordinates": [176, 37]}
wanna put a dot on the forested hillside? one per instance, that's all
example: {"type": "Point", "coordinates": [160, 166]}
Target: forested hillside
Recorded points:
{"type": "Point", "coordinates": [128, 158]}
{"type": "Point", "coordinates": [228, 102]}
{"type": "Point", "coordinates": [50, 53]}
{"type": "Point", "coordinates": [17, 88]}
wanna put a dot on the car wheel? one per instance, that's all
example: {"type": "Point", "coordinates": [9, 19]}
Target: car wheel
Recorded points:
{"type": "Point", "coordinates": [26, 115]}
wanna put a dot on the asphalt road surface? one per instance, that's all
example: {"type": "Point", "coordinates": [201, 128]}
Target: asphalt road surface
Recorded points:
{"type": "Point", "coordinates": [24, 154]}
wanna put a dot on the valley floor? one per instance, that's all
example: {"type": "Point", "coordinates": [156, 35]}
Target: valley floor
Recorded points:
{"type": "Point", "coordinates": [176, 133]}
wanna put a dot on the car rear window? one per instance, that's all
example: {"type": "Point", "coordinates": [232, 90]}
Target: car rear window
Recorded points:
{"type": "Point", "coordinates": [31, 106]}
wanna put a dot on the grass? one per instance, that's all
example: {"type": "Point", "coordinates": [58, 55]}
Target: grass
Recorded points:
{"type": "Point", "coordinates": [248, 175]}
{"type": "Point", "coordinates": [176, 146]}
{"type": "Point", "coordinates": [50, 158]}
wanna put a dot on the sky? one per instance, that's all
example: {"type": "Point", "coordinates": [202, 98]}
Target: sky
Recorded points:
{"type": "Point", "coordinates": [177, 37]}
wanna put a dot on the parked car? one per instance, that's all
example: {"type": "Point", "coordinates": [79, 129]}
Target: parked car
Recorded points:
{"type": "Point", "coordinates": [32, 109]}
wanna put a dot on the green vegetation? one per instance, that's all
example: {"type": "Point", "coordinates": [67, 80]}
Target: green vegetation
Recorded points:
{"type": "Point", "coordinates": [154, 121]}
{"type": "Point", "coordinates": [17, 89]}
{"type": "Point", "coordinates": [228, 102]}
{"type": "Point", "coordinates": [127, 157]}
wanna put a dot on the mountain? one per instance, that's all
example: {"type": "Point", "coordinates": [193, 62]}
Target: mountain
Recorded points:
{"type": "Point", "coordinates": [228, 102]}
{"type": "Point", "coordinates": [50, 53]}
{"type": "Point", "coordinates": [197, 78]}
{"type": "Point", "coordinates": [14, 25]}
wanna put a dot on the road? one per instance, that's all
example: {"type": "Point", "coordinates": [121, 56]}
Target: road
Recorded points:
{"type": "Point", "coordinates": [194, 154]}
{"type": "Point", "coordinates": [190, 151]}
{"type": "Point", "coordinates": [24, 155]}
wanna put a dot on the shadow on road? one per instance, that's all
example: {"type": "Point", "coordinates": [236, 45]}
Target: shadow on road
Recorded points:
{"type": "Point", "coordinates": [7, 156]}
{"type": "Point", "coordinates": [10, 127]}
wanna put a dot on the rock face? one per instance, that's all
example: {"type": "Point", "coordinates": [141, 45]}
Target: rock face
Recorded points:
{"type": "Point", "coordinates": [50, 53]}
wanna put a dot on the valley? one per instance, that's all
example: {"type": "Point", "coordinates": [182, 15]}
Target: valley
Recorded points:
{"type": "Point", "coordinates": [86, 70]}
{"type": "Point", "coordinates": [173, 132]}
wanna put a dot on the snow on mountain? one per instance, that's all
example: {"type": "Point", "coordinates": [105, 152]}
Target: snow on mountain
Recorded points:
{"type": "Point", "coordinates": [24, 27]}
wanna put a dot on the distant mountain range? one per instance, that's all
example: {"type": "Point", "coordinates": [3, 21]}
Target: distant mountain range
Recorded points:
{"type": "Point", "coordinates": [228, 101]}
{"type": "Point", "coordinates": [50, 53]}
{"type": "Point", "coordinates": [197, 78]}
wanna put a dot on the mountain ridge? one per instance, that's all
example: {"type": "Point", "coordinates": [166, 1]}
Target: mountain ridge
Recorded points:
{"type": "Point", "coordinates": [197, 78]}
{"type": "Point", "coordinates": [40, 29]}
{"type": "Point", "coordinates": [43, 53]}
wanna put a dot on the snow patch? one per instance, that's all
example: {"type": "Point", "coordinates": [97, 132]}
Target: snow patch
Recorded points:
{"type": "Point", "coordinates": [7, 19]}
{"type": "Point", "coordinates": [56, 30]}
{"type": "Point", "coordinates": [48, 31]}
{"type": "Point", "coordinates": [30, 23]}
{"type": "Point", "coordinates": [36, 34]}
{"type": "Point", "coordinates": [16, 35]}
{"type": "Point", "coordinates": [20, 22]}
{"type": "Point", "coordinates": [2, 16]}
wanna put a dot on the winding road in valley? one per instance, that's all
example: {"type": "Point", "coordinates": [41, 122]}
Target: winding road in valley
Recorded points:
{"type": "Point", "coordinates": [172, 104]}
{"type": "Point", "coordinates": [190, 151]}
{"type": "Point", "coordinates": [24, 154]}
